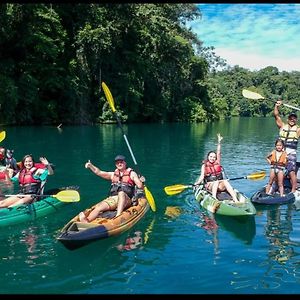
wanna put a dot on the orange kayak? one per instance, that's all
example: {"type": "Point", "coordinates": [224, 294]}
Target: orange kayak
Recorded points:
{"type": "Point", "coordinates": [76, 234]}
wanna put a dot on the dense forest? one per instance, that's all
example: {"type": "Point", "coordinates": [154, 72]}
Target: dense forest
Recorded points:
{"type": "Point", "coordinates": [53, 58]}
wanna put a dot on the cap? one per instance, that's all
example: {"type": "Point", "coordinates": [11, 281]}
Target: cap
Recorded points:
{"type": "Point", "coordinates": [293, 115]}
{"type": "Point", "coordinates": [120, 157]}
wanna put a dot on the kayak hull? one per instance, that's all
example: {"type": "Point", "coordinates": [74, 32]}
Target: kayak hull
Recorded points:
{"type": "Point", "coordinates": [225, 205]}
{"type": "Point", "coordinates": [260, 197]}
{"type": "Point", "coordinates": [76, 234]}
{"type": "Point", "coordinates": [29, 212]}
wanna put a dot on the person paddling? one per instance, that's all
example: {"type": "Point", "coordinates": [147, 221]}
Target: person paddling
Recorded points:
{"type": "Point", "coordinates": [31, 181]}
{"type": "Point", "coordinates": [212, 175]}
{"type": "Point", "coordinates": [122, 189]}
{"type": "Point", "coordinates": [289, 132]}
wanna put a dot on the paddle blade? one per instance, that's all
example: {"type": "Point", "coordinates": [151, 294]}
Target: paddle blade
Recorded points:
{"type": "Point", "coordinates": [251, 95]}
{"type": "Point", "coordinates": [257, 176]}
{"type": "Point", "coordinates": [109, 97]}
{"type": "Point", "coordinates": [67, 196]}
{"type": "Point", "coordinates": [175, 189]}
{"type": "Point", "coordinates": [150, 199]}
{"type": "Point", "coordinates": [2, 135]}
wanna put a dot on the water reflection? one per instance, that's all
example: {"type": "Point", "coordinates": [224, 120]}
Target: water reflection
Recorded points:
{"type": "Point", "coordinates": [242, 228]}
{"type": "Point", "coordinates": [282, 265]}
{"type": "Point", "coordinates": [278, 228]}
{"type": "Point", "coordinates": [137, 239]}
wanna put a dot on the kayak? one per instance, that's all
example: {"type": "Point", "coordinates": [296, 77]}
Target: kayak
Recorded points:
{"type": "Point", "coordinates": [223, 204]}
{"type": "Point", "coordinates": [76, 234]}
{"type": "Point", "coordinates": [260, 197]}
{"type": "Point", "coordinates": [32, 211]}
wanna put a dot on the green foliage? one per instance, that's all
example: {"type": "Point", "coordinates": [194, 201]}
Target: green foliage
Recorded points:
{"type": "Point", "coordinates": [54, 57]}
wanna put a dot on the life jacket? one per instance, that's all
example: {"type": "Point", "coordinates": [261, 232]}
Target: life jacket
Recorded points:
{"type": "Point", "coordinates": [28, 184]}
{"type": "Point", "coordinates": [212, 171]}
{"type": "Point", "coordinates": [281, 162]}
{"type": "Point", "coordinates": [122, 183]}
{"type": "Point", "coordinates": [289, 136]}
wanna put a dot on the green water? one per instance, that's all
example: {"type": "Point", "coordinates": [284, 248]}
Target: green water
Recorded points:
{"type": "Point", "coordinates": [189, 253]}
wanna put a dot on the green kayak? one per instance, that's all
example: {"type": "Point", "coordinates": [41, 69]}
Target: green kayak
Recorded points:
{"type": "Point", "coordinates": [28, 212]}
{"type": "Point", "coordinates": [223, 204]}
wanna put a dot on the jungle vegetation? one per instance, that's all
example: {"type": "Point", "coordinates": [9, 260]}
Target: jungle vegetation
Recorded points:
{"type": "Point", "coordinates": [53, 58]}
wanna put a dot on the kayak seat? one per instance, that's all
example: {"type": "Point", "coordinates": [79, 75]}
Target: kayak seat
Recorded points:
{"type": "Point", "coordinates": [223, 196]}
{"type": "Point", "coordinates": [108, 214]}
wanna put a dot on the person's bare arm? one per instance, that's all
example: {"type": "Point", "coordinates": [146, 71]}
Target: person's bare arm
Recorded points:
{"type": "Point", "coordinates": [220, 138]}
{"type": "Point", "coordinates": [201, 177]}
{"type": "Point", "coordinates": [268, 158]}
{"type": "Point", "coordinates": [278, 120]}
{"type": "Point", "coordinates": [98, 172]}
{"type": "Point", "coordinates": [136, 180]}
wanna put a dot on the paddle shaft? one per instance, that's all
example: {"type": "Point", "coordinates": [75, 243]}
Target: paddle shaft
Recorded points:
{"type": "Point", "coordinates": [127, 142]}
{"type": "Point", "coordinates": [285, 104]}
{"type": "Point", "coordinates": [23, 195]}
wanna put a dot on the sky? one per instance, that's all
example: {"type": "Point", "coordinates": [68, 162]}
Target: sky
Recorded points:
{"type": "Point", "coordinates": [250, 35]}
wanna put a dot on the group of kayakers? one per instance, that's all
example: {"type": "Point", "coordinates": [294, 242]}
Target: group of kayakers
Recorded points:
{"type": "Point", "coordinates": [30, 175]}
{"type": "Point", "coordinates": [125, 181]}
{"type": "Point", "coordinates": [282, 160]}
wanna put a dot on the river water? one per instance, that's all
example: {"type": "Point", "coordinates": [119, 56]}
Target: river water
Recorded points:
{"type": "Point", "coordinates": [183, 250]}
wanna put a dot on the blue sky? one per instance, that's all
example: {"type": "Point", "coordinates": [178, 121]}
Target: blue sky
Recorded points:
{"type": "Point", "coordinates": [252, 36]}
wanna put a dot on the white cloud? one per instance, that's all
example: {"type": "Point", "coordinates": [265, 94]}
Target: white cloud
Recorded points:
{"type": "Point", "coordinates": [252, 35]}
{"type": "Point", "coordinates": [253, 61]}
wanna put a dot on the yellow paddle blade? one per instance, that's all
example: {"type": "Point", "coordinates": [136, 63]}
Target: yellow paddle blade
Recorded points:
{"type": "Point", "coordinates": [150, 199]}
{"type": "Point", "coordinates": [2, 135]}
{"type": "Point", "coordinates": [67, 196]}
{"type": "Point", "coordinates": [257, 176]}
{"type": "Point", "coordinates": [109, 97]}
{"type": "Point", "coordinates": [251, 95]}
{"type": "Point", "coordinates": [175, 189]}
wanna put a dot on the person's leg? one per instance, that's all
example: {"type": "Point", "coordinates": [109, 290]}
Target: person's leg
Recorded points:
{"type": "Point", "coordinates": [280, 176]}
{"type": "Point", "coordinates": [100, 207]}
{"type": "Point", "coordinates": [123, 202]}
{"type": "Point", "coordinates": [293, 179]}
{"type": "Point", "coordinates": [214, 188]}
{"type": "Point", "coordinates": [271, 180]}
{"type": "Point", "coordinates": [15, 200]}
{"type": "Point", "coordinates": [230, 190]}
{"type": "Point", "coordinates": [291, 168]}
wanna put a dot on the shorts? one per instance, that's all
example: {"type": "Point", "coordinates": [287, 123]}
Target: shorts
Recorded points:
{"type": "Point", "coordinates": [291, 163]}
{"type": "Point", "coordinates": [112, 202]}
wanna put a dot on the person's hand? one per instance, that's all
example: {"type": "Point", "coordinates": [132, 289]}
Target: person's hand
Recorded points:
{"type": "Point", "coordinates": [142, 179]}
{"type": "Point", "coordinates": [220, 138]}
{"type": "Point", "coordinates": [88, 164]}
{"type": "Point", "coordinates": [44, 161]}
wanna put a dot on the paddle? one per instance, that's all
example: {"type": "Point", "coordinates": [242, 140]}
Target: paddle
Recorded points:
{"type": "Point", "coordinates": [2, 135]}
{"type": "Point", "coordinates": [110, 100]}
{"type": "Point", "coordinates": [63, 196]}
{"type": "Point", "coordinates": [256, 96]}
{"type": "Point", "coordinates": [178, 188]}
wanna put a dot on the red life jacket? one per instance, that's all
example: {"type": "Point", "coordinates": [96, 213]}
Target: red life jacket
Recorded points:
{"type": "Point", "coordinates": [26, 176]}
{"type": "Point", "coordinates": [125, 178]}
{"type": "Point", "coordinates": [122, 183]}
{"type": "Point", "coordinates": [28, 184]}
{"type": "Point", "coordinates": [212, 171]}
